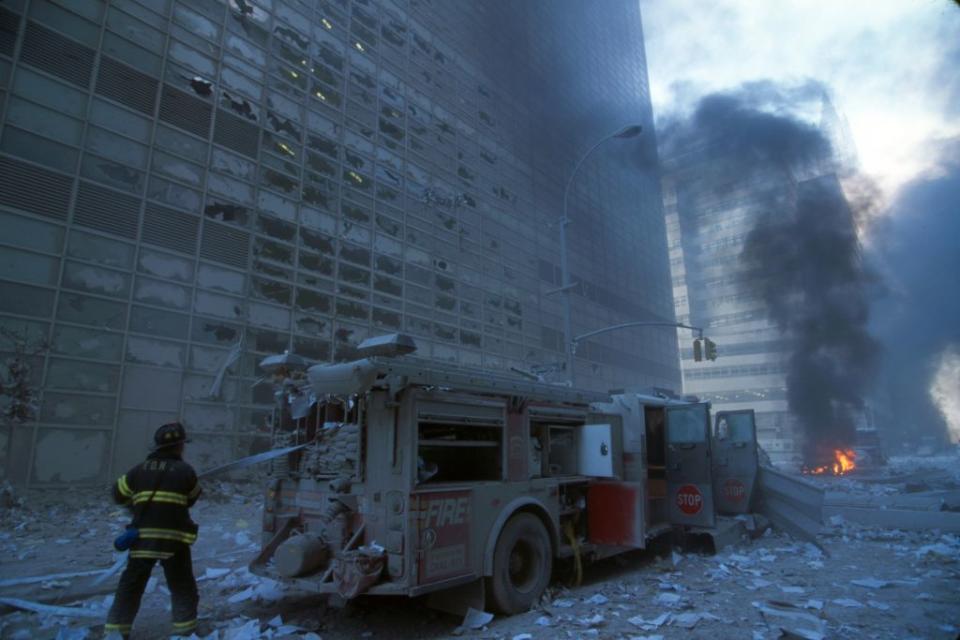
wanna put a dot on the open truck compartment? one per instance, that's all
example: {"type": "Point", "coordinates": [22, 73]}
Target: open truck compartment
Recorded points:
{"type": "Point", "coordinates": [418, 477]}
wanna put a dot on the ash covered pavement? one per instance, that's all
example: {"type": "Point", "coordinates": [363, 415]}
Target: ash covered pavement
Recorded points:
{"type": "Point", "coordinates": [866, 582]}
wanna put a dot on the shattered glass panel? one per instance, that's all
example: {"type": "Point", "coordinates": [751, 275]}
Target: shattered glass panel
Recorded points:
{"type": "Point", "coordinates": [215, 332]}
{"type": "Point", "coordinates": [105, 251]}
{"type": "Point", "coordinates": [174, 194]}
{"type": "Point", "coordinates": [207, 359]}
{"type": "Point", "coordinates": [87, 343]}
{"type": "Point", "coordinates": [62, 408]}
{"type": "Point", "coordinates": [165, 265]}
{"type": "Point", "coordinates": [88, 310]}
{"type": "Point", "coordinates": [271, 290]}
{"type": "Point", "coordinates": [85, 277]}
{"type": "Point", "coordinates": [219, 305]}
{"type": "Point", "coordinates": [313, 301]}
{"type": "Point", "coordinates": [181, 144]}
{"type": "Point", "coordinates": [111, 173]}
{"type": "Point", "coordinates": [82, 376]}
{"type": "Point", "coordinates": [155, 352]}
{"type": "Point", "coordinates": [268, 316]}
{"type": "Point", "coordinates": [165, 324]}
{"type": "Point", "coordinates": [230, 188]}
{"type": "Point", "coordinates": [212, 277]}
{"type": "Point", "coordinates": [312, 324]}
{"type": "Point", "coordinates": [161, 293]}
{"type": "Point", "coordinates": [177, 168]}
{"type": "Point", "coordinates": [233, 164]}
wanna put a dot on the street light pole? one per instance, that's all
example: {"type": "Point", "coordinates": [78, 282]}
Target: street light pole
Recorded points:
{"type": "Point", "coordinates": [629, 131]}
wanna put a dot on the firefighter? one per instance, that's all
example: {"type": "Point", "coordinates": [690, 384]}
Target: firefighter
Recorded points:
{"type": "Point", "coordinates": [160, 490]}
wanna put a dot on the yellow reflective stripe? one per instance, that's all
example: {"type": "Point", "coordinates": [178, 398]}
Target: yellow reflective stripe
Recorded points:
{"type": "Point", "coordinates": [122, 628]}
{"type": "Point", "coordinates": [123, 487]}
{"type": "Point", "coordinates": [168, 534]}
{"type": "Point", "coordinates": [195, 491]}
{"type": "Point", "coordinates": [182, 626]}
{"type": "Point", "coordinates": [151, 555]}
{"type": "Point", "coordinates": [161, 496]}
{"type": "Point", "coordinates": [178, 501]}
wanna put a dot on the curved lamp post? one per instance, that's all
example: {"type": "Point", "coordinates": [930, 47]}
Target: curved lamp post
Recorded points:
{"type": "Point", "coordinates": [630, 131]}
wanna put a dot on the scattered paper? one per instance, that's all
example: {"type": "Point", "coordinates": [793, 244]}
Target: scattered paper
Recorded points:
{"type": "Point", "coordinates": [870, 583]}
{"type": "Point", "coordinates": [476, 619]}
{"type": "Point", "coordinates": [848, 602]}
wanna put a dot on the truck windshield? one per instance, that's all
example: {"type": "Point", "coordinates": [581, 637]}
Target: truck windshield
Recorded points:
{"type": "Point", "coordinates": [687, 424]}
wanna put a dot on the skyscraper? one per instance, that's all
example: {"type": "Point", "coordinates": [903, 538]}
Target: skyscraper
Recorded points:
{"type": "Point", "coordinates": [187, 186]}
{"type": "Point", "coordinates": [716, 193]}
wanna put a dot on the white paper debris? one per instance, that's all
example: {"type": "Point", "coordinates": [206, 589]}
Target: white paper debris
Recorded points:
{"type": "Point", "coordinates": [563, 603]}
{"type": "Point", "coordinates": [848, 602]}
{"type": "Point", "coordinates": [476, 619]}
{"type": "Point", "coordinates": [649, 625]}
{"type": "Point", "coordinates": [870, 583]}
{"type": "Point", "coordinates": [598, 599]}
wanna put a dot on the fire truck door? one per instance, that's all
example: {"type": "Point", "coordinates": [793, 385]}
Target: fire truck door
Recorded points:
{"type": "Point", "coordinates": [689, 481]}
{"type": "Point", "coordinates": [734, 460]}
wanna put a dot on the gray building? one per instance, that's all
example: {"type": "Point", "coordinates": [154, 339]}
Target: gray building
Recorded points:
{"type": "Point", "coordinates": [189, 185]}
{"type": "Point", "coordinates": [713, 199]}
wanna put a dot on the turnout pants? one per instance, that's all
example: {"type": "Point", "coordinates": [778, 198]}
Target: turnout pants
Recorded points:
{"type": "Point", "coordinates": [184, 598]}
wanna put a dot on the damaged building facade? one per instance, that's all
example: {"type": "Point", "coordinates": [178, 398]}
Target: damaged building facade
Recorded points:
{"type": "Point", "coordinates": [187, 186]}
{"type": "Point", "coordinates": [713, 200]}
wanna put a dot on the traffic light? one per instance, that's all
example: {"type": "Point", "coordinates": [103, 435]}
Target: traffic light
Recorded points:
{"type": "Point", "coordinates": [697, 350]}
{"type": "Point", "coordinates": [709, 349]}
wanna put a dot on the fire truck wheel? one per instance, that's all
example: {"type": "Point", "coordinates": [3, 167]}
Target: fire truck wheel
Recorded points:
{"type": "Point", "coordinates": [522, 562]}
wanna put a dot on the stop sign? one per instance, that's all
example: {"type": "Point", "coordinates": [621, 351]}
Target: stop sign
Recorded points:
{"type": "Point", "coordinates": [734, 490]}
{"type": "Point", "coordinates": [689, 499]}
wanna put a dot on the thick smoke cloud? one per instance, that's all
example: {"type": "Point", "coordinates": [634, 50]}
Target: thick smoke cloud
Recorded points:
{"type": "Point", "coordinates": [918, 248]}
{"type": "Point", "coordinates": [802, 257]}
{"type": "Point", "coordinates": [807, 269]}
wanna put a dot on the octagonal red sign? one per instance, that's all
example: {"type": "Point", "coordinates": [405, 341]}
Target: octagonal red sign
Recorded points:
{"type": "Point", "coordinates": [689, 499]}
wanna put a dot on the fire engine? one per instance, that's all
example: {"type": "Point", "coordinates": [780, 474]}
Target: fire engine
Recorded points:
{"type": "Point", "coordinates": [412, 477]}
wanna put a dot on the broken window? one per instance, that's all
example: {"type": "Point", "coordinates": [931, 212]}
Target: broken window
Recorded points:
{"type": "Point", "coordinates": [82, 376]}
{"type": "Point", "coordinates": [159, 353]}
{"type": "Point", "coordinates": [87, 343]}
{"type": "Point", "coordinates": [160, 293]}
{"type": "Point", "coordinates": [165, 324]}
{"type": "Point", "coordinates": [352, 310]}
{"type": "Point", "coordinates": [174, 194]}
{"type": "Point", "coordinates": [62, 408]}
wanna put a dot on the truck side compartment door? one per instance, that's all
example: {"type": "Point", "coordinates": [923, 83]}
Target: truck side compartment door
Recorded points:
{"type": "Point", "coordinates": [734, 460]}
{"type": "Point", "coordinates": [689, 481]}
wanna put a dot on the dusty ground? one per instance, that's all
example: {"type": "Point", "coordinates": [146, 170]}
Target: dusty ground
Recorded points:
{"type": "Point", "coordinates": [872, 584]}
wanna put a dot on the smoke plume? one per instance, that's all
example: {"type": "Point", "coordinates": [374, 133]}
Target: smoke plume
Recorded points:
{"type": "Point", "coordinates": [802, 256]}
{"type": "Point", "coordinates": [918, 248]}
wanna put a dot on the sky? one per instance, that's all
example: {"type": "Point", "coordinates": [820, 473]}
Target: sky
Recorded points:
{"type": "Point", "coordinates": [892, 66]}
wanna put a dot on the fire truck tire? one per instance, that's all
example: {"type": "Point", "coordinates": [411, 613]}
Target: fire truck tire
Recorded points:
{"type": "Point", "coordinates": [522, 564]}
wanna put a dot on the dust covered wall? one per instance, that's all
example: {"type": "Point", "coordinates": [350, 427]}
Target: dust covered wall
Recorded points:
{"type": "Point", "coordinates": [182, 179]}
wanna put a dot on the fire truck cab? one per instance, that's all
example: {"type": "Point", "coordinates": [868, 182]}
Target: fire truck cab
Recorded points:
{"type": "Point", "coordinates": [419, 477]}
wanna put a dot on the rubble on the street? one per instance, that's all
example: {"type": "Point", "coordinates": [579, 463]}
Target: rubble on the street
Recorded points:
{"type": "Point", "coordinates": [871, 583]}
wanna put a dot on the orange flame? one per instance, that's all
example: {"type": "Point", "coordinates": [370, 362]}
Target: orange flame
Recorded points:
{"type": "Point", "coordinates": [844, 463]}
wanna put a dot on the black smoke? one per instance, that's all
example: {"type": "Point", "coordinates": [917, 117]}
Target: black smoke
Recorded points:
{"type": "Point", "coordinates": [806, 266]}
{"type": "Point", "coordinates": [802, 257]}
{"type": "Point", "coordinates": [918, 248]}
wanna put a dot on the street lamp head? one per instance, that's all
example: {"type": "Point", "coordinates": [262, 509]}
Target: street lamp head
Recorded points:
{"type": "Point", "coordinates": [630, 131]}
